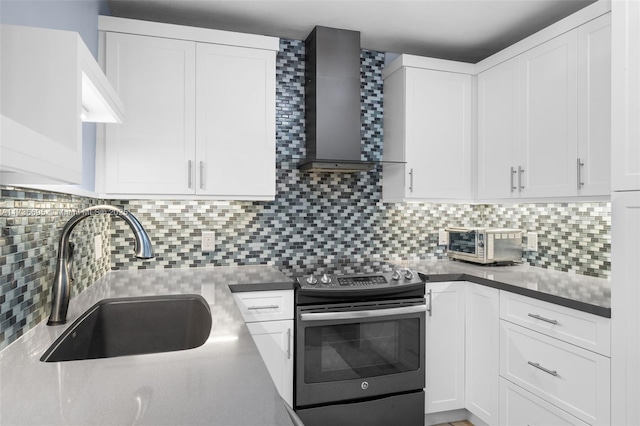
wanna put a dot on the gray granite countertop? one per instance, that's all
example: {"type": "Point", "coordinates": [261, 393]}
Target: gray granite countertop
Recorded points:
{"type": "Point", "coordinates": [210, 384]}
{"type": "Point", "coordinates": [223, 382]}
{"type": "Point", "coordinates": [579, 292]}
{"type": "Point", "coordinates": [253, 278]}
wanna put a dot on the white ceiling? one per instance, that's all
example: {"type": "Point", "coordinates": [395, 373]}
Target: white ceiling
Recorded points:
{"type": "Point", "coordinates": [463, 30]}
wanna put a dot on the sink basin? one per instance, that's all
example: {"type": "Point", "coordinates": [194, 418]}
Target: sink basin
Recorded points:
{"type": "Point", "coordinates": [134, 326]}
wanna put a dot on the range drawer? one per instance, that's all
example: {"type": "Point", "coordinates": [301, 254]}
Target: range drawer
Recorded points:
{"type": "Point", "coordinates": [265, 305]}
{"type": "Point", "coordinates": [521, 408]}
{"type": "Point", "coordinates": [569, 377]}
{"type": "Point", "coordinates": [579, 328]}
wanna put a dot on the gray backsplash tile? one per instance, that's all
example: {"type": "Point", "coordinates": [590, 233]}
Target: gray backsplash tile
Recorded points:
{"type": "Point", "coordinates": [30, 222]}
{"type": "Point", "coordinates": [325, 215]}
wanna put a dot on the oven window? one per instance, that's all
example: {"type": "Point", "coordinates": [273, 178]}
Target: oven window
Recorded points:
{"type": "Point", "coordinates": [462, 242]}
{"type": "Point", "coordinates": [360, 350]}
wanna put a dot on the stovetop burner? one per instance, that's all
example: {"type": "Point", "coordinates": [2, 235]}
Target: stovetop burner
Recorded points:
{"type": "Point", "coordinates": [338, 268]}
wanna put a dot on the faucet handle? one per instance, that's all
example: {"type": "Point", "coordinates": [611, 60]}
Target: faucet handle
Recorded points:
{"type": "Point", "coordinates": [70, 272]}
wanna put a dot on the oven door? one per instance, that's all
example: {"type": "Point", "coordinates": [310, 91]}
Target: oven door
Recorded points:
{"type": "Point", "coordinates": [359, 350]}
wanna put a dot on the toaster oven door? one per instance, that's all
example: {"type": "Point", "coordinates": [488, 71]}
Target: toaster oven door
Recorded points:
{"type": "Point", "coordinates": [465, 244]}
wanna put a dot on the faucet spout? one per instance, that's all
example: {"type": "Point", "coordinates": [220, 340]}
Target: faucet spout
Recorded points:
{"type": "Point", "coordinates": [64, 272]}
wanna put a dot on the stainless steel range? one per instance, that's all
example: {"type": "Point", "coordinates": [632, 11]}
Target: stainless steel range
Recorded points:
{"type": "Point", "coordinates": [360, 345]}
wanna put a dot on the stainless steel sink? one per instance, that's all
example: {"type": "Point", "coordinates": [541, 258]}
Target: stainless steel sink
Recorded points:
{"type": "Point", "coordinates": [134, 326]}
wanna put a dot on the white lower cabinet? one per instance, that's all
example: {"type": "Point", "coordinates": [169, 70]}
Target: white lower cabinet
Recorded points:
{"type": "Point", "coordinates": [625, 350]}
{"type": "Point", "coordinates": [445, 347]}
{"type": "Point", "coordinates": [579, 328]}
{"type": "Point", "coordinates": [462, 349]}
{"type": "Point", "coordinates": [571, 378]}
{"type": "Point", "coordinates": [482, 352]}
{"type": "Point", "coordinates": [274, 340]}
{"type": "Point", "coordinates": [269, 318]}
{"type": "Point", "coordinates": [508, 359]}
{"type": "Point", "coordinates": [521, 408]}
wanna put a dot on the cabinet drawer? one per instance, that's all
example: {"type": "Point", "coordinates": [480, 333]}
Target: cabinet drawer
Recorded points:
{"type": "Point", "coordinates": [579, 328]}
{"type": "Point", "coordinates": [265, 305]}
{"type": "Point", "coordinates": [521, 408]}
{"type": "Point", "coordinates": [569, 377]}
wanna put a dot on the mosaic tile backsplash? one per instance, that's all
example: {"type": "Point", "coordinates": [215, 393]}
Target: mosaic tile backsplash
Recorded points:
{"type": "Point", "coordinates": [334, 216]}
{"type": "Point", "coordinates": [30, 224]}
{"type": "Point", "coordinates": [314, 215]}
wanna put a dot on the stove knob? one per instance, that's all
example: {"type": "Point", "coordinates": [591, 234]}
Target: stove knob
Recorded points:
{"type": "Point", "coordinates": [408, 275]}
{"type": "Point", "coordinates": [326, 279]}
{"type": "Point", "coordinates": [311, 280]}
{"type": "Point", "coordinates": [396, 275]}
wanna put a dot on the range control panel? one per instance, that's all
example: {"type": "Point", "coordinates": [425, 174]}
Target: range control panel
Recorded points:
{"type": "Point", "coordinates": [397, 277]}
{"type": "Point", "coordinates": [366, 280]}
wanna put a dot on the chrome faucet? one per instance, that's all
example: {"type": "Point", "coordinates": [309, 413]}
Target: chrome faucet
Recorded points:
{"type": "Point", "coordinates": [64, 265]}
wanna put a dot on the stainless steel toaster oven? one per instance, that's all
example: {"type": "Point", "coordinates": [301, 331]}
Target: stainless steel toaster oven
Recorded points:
{"type": "Point", "coordinates": [485, 245]}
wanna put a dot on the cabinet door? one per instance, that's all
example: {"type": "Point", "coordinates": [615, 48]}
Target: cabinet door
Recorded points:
{"type": "Point", "coordinates": [548, 148]}
{"type": "Point", "coordinates": [274, 340]}
{"type": "Point", "coordinates": [445, 347]}
{"type": "Point", "coordinates": [483, 352]}
{"type": "Point", "coordinates": [152, 151]}
{"type": "Point", "coordinates": [235, 123]}
{"type": "Point", "coordinates": [497, 130]}
{"type": "Point", "coordinates": [594, 107]}
{"type": "Point", "coordinates": [395, 177]}
{"type": "Point", "coordinates": [625, 149]}
{"type": "Point", "coordinates": [625, 299]}
{"type": "Point", "coordinates": [438, 134]}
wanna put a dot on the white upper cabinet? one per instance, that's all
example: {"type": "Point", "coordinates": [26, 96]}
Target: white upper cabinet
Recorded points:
{"type": "Point", "coordinates": [235, 121]}
{"type": "Point", "coordinates": [625, 150]}
{"type": "Point", "coordinates": [544, 119]}
{"type": "Point", "coordinates": [202, 112]}
{"type": "Point", "coordinates": [594, 107]}
{"type": "Point", "coordinates": [153, 151]}
{"type": "Point", "coordinates": [497, 130]}
{"type": "Point", "coordinates": [427, 124]}
{"type": "Point", "coordinates": [548, 134]}
{"type": "Point", "coordinates": [50, 84]}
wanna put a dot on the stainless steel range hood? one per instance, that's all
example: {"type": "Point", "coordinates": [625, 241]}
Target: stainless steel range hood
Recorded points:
{"type": "Point", "coordinates": [332, 102]}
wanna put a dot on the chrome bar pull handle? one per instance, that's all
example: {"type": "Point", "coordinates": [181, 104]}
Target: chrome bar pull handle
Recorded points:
{"type": "Point", "coordinates": [256, 308]}
{"type": "Point", "coordinates": [538, 317]}
{"type": "Point", "coordinates": [348, 315]}
{"type": "Point", "coordinates": [190, 174]}
{"type": "Point", "coordinates": [579, 166]}
{"type": "Point", "coordinates": [520, 185]}
{"type": "Point", "coordinates": [546, 370]}
{"type": "Point", "coordinates": [288, 343]}
{"type": "Point", "coordinates": [430, 303]}
{"type": "Point", "coordinates": [411, 181]}
{"type": "Point", "coordinates": [202, 175]}
{"type": "Point", "coordinates": [512, 172]}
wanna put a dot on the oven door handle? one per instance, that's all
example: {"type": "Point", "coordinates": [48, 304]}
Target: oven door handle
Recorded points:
{"type": "Point", "coordinates": [323, 316]}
